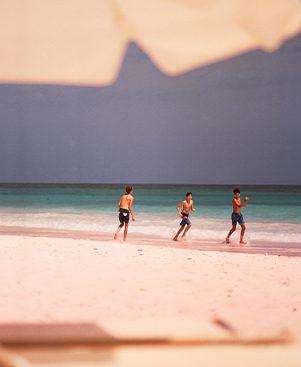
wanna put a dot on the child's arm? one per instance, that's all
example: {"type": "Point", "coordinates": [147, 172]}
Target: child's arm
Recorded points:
{"type": "Point", "coordinates": [179, 208]}
{"type": "Point", "coordinates": [131, 209]}
{"type": "Point", "coordinates": [192, 206]}
{"type": "Point", "coordinates": [240, 204]}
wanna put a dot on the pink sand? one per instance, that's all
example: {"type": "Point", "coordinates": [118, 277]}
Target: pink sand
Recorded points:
{"type": "Point", "coordinates": [115, 284]}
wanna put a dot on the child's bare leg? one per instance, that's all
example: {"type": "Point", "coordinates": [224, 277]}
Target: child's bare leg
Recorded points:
{"type": "Point", "coordinates": [118, 230]}
{"type": "Point", "coordinates": [178, 233]}
{"type": "Point", "coordinates": [125, 231]}
{"type": "Point", "coordinates": [232, 230]}
{"type": "Point", "coordinates": [243, 229]}
{"type": "Point", "coordinates": [186, 230]}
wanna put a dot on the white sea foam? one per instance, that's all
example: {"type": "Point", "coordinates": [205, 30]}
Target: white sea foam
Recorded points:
{"type": "Point", "coordinates": [165, 226]}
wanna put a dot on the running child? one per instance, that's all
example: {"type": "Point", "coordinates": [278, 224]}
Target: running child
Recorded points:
{"type": "Point", "coordinates": [125, 210]}
{"type": "Point", "coordinates": [237, 217]}
{"type": "Point", "coordinates": [183, 208]}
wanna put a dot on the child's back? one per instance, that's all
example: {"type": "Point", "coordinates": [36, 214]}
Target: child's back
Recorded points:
{"type": "Point", "coordinates": [125, 201]}
{"type": "Point", "coordinates": [125, 210]}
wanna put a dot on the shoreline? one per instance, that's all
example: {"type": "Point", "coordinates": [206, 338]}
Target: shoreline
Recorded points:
{"type": "Point", "coordinates": [255, 247]}
{"type": "Point", "coordinates": [204, 231]}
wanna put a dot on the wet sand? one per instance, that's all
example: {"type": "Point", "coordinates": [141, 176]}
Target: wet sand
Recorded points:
{"type": "Point", "coordinates": [255, 247]}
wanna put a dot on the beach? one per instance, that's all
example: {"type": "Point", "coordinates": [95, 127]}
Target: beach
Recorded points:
{"type": "Point", "coordinates": [209, 303]}
{"type": "Point", "coordinates": [139, 289]}
{"type": "Point", "coordinates": [273, 214]}
{"type": "Point", "coordinates": [150, 201]}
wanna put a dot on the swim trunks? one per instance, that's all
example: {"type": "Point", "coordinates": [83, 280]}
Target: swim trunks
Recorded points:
{"type": "Point", "coordinates": [124, 215]}
{"type": "Point", "coordinates": [185, 221]}
{"type": "Point", "coordinates": [237, 218]}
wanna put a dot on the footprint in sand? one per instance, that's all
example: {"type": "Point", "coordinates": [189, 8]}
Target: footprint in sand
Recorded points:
{"type": "Point", "coordinates": [224, 325]}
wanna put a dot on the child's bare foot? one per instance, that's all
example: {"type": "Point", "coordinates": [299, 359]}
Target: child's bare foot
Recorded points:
{"type": "Point", "coordinates": [175, 239]}
{"type": "Point", "coordinates": [183, 238]}
{"type": "Point", "coordinates": [115, 236]}
{"type": "Point", "coordinates": [242, 243]}
{"type": "Point", "coordinates": [227, 240]}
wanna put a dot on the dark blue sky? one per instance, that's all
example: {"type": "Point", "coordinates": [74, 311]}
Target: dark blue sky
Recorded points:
{"type": "Point", "coordinates": [237, 121]}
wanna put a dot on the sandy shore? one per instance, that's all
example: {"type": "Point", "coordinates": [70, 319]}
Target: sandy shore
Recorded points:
{"type": "Point", "coordinates": [140, 287]}
{"type": "Point", "coordinates": [255, 247]}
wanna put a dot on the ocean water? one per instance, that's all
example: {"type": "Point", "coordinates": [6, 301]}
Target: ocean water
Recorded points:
{"type": "Point", "coordinates": [273, 212]}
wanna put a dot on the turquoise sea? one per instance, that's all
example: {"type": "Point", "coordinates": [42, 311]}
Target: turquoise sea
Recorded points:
{"type": "Point", "coordinates": [273, 212]}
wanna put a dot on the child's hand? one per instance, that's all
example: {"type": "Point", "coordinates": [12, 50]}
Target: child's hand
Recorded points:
{"type": "Point", "coordinates": [133, 219]}
{"type": "Point", "coordinates": [246, 198]}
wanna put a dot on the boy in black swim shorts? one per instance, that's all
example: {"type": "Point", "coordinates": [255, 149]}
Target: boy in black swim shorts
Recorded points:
{"type": "Point", "coordinates": [125, 210]}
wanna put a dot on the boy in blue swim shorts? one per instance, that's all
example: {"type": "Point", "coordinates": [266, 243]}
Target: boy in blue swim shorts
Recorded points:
{"type": "Point", "coordinates": [183, 209]}
{"type": "Point", "coordinates": [237, 216]}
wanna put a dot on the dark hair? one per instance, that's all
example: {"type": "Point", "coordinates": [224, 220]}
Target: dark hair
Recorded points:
{"type": "Point", "coordinates": [188, 193]}
{"type": "Point", "coordinates": [236, 191]}
{"type": "Point", "coordinates": [128, 189]}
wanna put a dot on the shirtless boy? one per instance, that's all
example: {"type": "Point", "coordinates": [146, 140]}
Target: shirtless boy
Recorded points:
{"type": "Point", "coordinates": [125, 210]}
{"type": "Point", "coordinates": [183, 209]}
{"type": "Point", "coordinates": [237, 217]}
